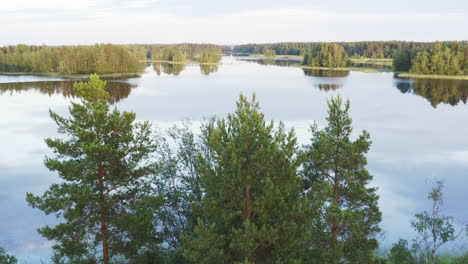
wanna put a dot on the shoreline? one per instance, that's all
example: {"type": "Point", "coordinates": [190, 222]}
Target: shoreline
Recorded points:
{"type": "Point", "coordinates": [359, 69]}
{"type": "Point", "coordinates": [73, 76]}
{"type": "Point", "coordinates": [426, 76]}
{"type": "Point", "coordinates": [184, 62]}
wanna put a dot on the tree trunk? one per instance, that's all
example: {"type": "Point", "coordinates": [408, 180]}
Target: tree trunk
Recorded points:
{"type": "Point", "coordinates": [247, 215]}
{"type": "Point", "coordinates": [335, 228]}
{"type": "Point", "coordinates": [105, 244]}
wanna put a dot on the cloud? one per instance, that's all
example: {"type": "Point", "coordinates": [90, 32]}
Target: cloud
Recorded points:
{"type": "Point", "coordinates": [170, 21]}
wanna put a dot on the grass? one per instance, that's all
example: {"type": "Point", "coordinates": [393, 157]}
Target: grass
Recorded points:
{"type": "Point", "coordinates": [382, 62]}
{"type": "Point", "coordinates": [74, 76]}
{"type": "Point", "coordinates": [425, 76]}
{"type": "Point", "coordinates": [361, 69]}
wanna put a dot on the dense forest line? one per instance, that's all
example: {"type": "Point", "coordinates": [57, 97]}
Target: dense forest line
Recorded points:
{"type": "Point", "coordinates": [202, 53]}
{"type": "Point", "coordinates": [100, 58]}
{"type": "Point", "coordinates": [367, 49]}
{"type": "Point", "coordinates": [439, 58]}
{"type": "Point", "coordinates": [241, 190]}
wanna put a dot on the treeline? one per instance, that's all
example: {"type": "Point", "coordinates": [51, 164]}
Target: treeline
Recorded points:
{"type": "Point", "coordinates": [203, 53]}
{"type": "Point", "coordinates": [100, 58]}
{"type": "Point", "coordinates": [368, 49]}
{"type": "Point", "coordinates": [439, 58]}
{"type": "Point", "coordinates": [442, 60]}
{"type": "Point", "coordinates": [329, 55]}
{"type": "Point", "coordinates": [239, 191]}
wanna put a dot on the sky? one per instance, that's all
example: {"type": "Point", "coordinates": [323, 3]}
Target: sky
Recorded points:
{"type": "Point", "coordinates": [72, 22]}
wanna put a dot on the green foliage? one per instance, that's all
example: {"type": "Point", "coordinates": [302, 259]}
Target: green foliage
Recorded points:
{"type": "Point", "coordinates": [251, 210]}
{"type": "Point", "coordinates": [101, 59]}
{"type": "Point", "coordinates": [269, 53]}
{"type": "Point", "coordinates": [442, 60]}
{"type": "Point", "coordinates": [5, 258]}
{"type": "Point", "coordinates": [402, 61]}
{"type": "Point", "coordinates": [401, 254]}
{"type": "Point", "coordinates": [336, 177]}
{"type": "Point", "coordinates": [105, 197]}
{"type": "Point", "coordinates": [433, 228]}
{"type": "Point", "coordinates": [367, 49]}
{"type": "Point", "coordinates": [171, 53]}
{"type": "Point", "coordinates": [329, 55]}
{"type": "Point", "coordinates": [210, 56]}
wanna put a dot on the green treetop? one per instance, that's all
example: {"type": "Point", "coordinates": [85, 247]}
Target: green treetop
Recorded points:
{"type": "Point", "coordinates": [335, 175]}
{"type": "Point", "coordinates": [252, 210]}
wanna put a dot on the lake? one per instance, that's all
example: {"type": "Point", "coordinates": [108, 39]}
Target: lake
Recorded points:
{"type": "Point", "coordinates": [418, 128]}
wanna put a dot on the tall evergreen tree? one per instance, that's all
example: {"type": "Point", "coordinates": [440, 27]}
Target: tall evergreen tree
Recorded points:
{"type": "Point", "coordinates": [252, 210]}
{"type": "Point", "coordinates": [335, 174]}
{"type": "Point", "coordinates": [104, 197]}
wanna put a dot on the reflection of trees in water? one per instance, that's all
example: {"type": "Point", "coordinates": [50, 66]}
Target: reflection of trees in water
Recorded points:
{"type": "Point", "coordinates": [168, 68]}
{"type": "Point", "coordinates": [117, 90]}
{"type": "Point", "coordinates": [436, 91]}
{"type": "Point", "coordinates": [329, 86]}
{"type": "Point", "coordinates": [325, 73]}
{"type": "Point", "coordinates": [206, 69]}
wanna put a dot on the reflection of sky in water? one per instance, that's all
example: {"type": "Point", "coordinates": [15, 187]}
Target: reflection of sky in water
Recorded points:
{"type": "Point", "coordinates": [412, 141]}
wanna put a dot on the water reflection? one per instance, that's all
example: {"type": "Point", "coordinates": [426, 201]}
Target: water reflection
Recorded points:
{"type": "Point", "coordinates": [436, 91]}
{"type": "Point", "coordinates": [117, 90]}
{"type": "Point", "coordinates": [329, 86]}
{"type": "Point", "coordinates": [325, 73]}
{"type": "Point", "coordinates": [168, 68]}
{"type": "Point", "coordinates": [206, 69]}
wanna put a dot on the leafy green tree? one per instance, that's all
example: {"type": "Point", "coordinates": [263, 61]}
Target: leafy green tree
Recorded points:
{"type": "Point", "coordinates": [5, 258]}
{"type": "Point", "coordinates": [402, 61]}
{"type": "Point", "coordinates": [434, 229]}
{"type": "Point", "coordinates": [252, 210]}
{"type": "Point", "coordinates": [335, 174]}
{"type": "Point", "coordinates": [269, 53]}
{"type": "Point", "coordinates": [105, 197]}
{"type": "Point", "coordinates": [401, 254]}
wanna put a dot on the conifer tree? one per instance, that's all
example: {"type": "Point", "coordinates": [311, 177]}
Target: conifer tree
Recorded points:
{"type": "Point", "coordinates": [104, 196]}
{"type": "Point", "coordinates": [335, 174]}
{"type": "Point", "coordinates": [252, 210]}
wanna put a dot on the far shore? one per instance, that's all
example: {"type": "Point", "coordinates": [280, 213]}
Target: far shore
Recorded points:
{"type": "Point", "coordinates": [426, 76]}
{"type": "Point", "coordinates": [74, 76]}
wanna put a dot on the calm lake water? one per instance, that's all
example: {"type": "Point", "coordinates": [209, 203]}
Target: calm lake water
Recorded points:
{"type": "Point", "coordinates": [419, 130]}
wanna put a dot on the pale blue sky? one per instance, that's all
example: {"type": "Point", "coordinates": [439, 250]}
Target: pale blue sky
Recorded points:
{"type": "Point", "coordinates": [229, 22]}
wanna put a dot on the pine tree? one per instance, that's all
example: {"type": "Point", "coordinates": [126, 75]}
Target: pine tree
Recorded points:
{"type": "Point", "coordinates": [252, 210]}
{"type": "Point", "coordinates": [335, 174]}
{"type": "Point", "coordinates": [104, 197]}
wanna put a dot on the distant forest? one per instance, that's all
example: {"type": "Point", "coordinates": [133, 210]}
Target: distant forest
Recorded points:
{"type": "Point", "coordinates": [436, 58]}
{"type": "Point", "coordinates": [100, 58]}
{"type": "Point", "coordinates": [443, 58]}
